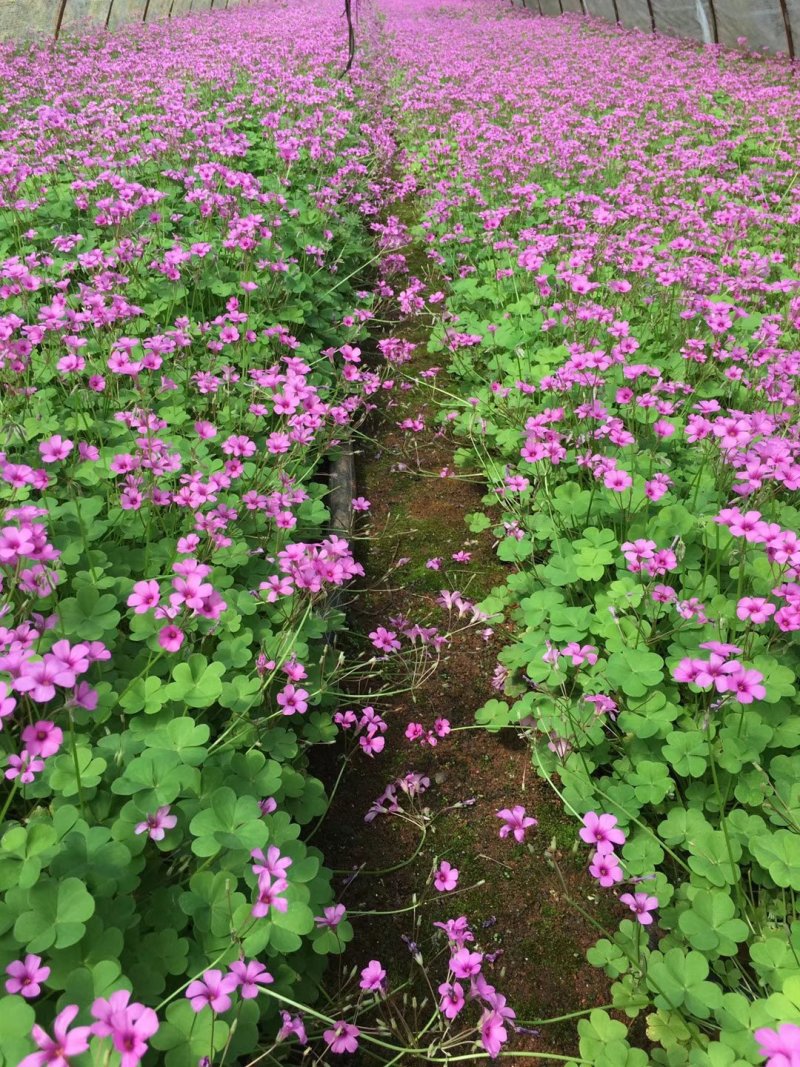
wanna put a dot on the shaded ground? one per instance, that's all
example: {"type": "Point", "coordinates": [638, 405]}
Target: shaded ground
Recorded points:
{"type": "Point", "coordinates": [519, 912]}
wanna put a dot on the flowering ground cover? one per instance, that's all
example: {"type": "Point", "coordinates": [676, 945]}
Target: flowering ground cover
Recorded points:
{"type": "Point", "coordinates": [184, 226]}
{"type": "Point", "coordinates": [616, 217]}
{"type": "Point", "coordinates": [561, 260]}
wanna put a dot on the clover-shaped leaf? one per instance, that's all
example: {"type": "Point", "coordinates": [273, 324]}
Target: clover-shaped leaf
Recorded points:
{"type": "Point", "coordinates": [197, 682]}
{"type": "Point", "coordinates": [687, 752]}
{"type": "Point", "coordinates": [16, 1020]}
{"type": "Point", "coordinates": [779, 853]}
{"type": "Point", "coordinates": [227, 821]}
{"type": "Point", "coordinates": [89, 614]}
{"type": "Point", "coordinates": [634, 670]}
{"type": "Point", "coordinates": [187, 1037]}
{"type": "Point", "coordinates": [56, 916]}
{"type": "Point", "coordinates": [678, 979]}
{"type": "Point", "coordinates": [710, 924]}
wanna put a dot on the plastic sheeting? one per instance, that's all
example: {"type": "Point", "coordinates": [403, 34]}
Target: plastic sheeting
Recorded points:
{"type": "Point", "coordinates": [634, 14]}
{"type": "Point", "coordinates": [603, 9]}
{"type": "Point", "coordinates": [685, 18]}
{"type": "Point", "coordinates": [90, 14]}
{"type": "Point", "coordinates": [758, 25]}
{"type": "Point", "coordinates": [24, 18]}
{"type": "Point", "coordinates": [123, 11]}
{"type": "Point", "coordinates": [793, 10]}
{"type": "Point", "coordinates": [760, 21]}
{"type": "Point", "coordinates": [21, 18]}
{"type": "Point", "coordinates": [158, 9]}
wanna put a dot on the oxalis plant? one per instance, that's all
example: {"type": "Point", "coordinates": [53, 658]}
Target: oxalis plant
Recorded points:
{"type": "Point", "coordinates": [621, 323]}
{"type": "Point", "coordinates": [185, 230]}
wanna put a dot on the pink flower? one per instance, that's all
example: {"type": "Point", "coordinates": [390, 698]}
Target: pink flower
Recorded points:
{"type": "Point", "coordinates": [130, 1026]}
{"type": "Point", "coordinates": [465, 964]}
{"type": "Point", "coordinates": [24, 766]}
{"type": "Point", "coordinates": [452, 1001]}
{"type": "Point", "coordinates": [687, 670]}
{"type": "Point", "coordinates": [7, 703]}
{"type": "Point", "coordinates": [26, 975]}
{"type": "Point", "coordinates": [516, 822]}
{"type": "Point", "coordinates": [57, 1051]}
{"type": "Point", "coordinates": [42, 739]}
{"type": "Point", "coordinates": [248, 977]}
{"type": "Point", "coordinates": [781, 1046]}
{"type": "Point", "coordinates": [273, 864]}
{"type": "Point", "coordinates": [605, 868]}
{"type": "Point", "coordinates": [384, 640]}
{"type": "Point", "coordinates": [373, 977]}
{"type": "Point", "coordinates": [212, 990]}
{"type": "Point", "coordinates": [156, 826]}
{"type": "Point", "coordinates": [292, 1027]}
{"type": "Point", "coordinates": [270, 896]}
{"type": "Point", "coordinates": [663, 429]}
{"type": "Point", "coordinates": [641, 905]}
{"type": "Point", "coordinates": [145, 595]}
{"type": "Point", "coordinates": [293, 701]}
{"type": "Point", "coordinates": [38, 679]}
{"type": "Point", "coordinates": [446, 877]}
{"type": "Point", "coordinates": [744, 685]}
{"type": "Point", "coordinates": [342, 1037]}
{"type": "Point", "coordinates": [171, 638]}
{"type": "Point", "coordinates": [331, 916]}
{"type": "Point", "coordinates": [493, 1032]}
{"type": "Point", "coordinates": [359, 503]}
{"type": "Point", "coordinates": [599, 829]}
{"type": "Point", "coordinates": [756, 609]}
{"type": "Point", "coordinates": [55, 449]}
{"type": "Point", "coordinates": [619, 481]}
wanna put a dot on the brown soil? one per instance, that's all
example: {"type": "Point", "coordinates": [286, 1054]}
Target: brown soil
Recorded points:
{"type": "Point", "coordinates": [520, 911]}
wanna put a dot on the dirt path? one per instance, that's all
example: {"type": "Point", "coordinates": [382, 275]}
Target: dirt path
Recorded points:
{"type": "Point", "coordinates": [518, 912]}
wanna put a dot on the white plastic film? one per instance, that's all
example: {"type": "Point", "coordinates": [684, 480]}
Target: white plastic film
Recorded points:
{"type": "Point", "coordinates": [602, 9]}
{"type": "Point", "coordinates": [125, 11]}
{"type": "Point", "coordinates": [759, 21]}
{"type": "Point", "coordinates": [634, 14]}
{"type": "Point", "coordinates": [685, 18]}
{"type": "Point", "coordinates": [84, 14]}
{"type": "Point", "coordinates": [22, 18]}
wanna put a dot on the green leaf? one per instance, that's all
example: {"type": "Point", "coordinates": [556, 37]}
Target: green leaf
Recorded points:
{"type": "Point", "coordinates": [57, 915]}
{"type": "Point", "coordinates": [686, 752]}
{"type": "Point", "coordinates": [779, 853]}
{"type": "Point", "coordinates": [187, 1036]}
{"type": "Point", "coordinates": [16, 1021]}
{"type": "Point", "coordinates": [196, 683]}
{"type": "Point", "coordinates": [229, 821]}
{"type": "Point", "coordinates": [634, 671]}
{"type": "Point", "coordinates": [89, 615]}
{"type": "Point", "coordinates": [678, 979]}
{"type": "Point", "coordinates": [146, 694]}
{"type": "Point", "coordinates": [710, 925]}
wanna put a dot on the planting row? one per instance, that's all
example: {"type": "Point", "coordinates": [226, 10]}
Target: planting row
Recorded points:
{"type": "Point", "coordinates": [186, 218]}
{"type": "Point", "coordinates": [617, 220]}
